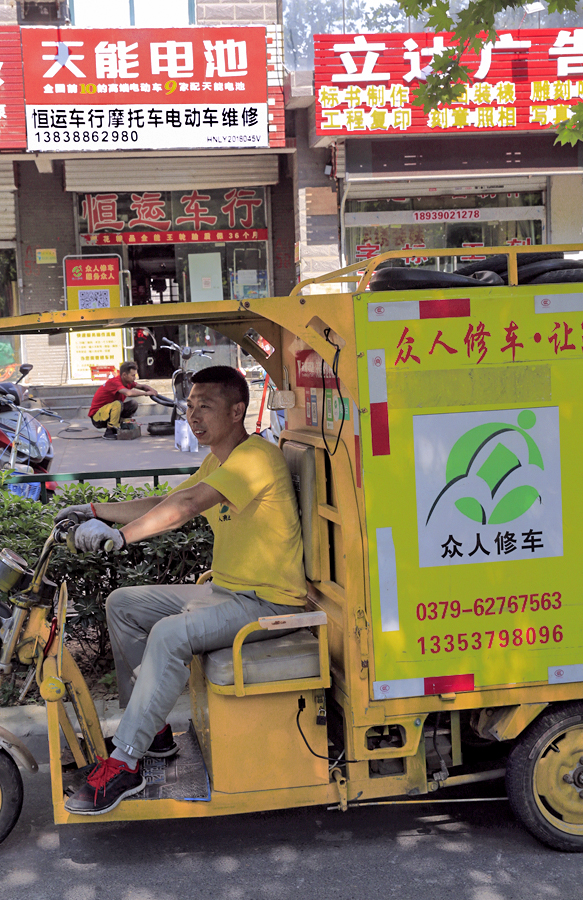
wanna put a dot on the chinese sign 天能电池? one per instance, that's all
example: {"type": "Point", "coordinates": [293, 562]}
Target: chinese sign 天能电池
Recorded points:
{"type": "Point", "coordinates": [523, 81]}
{"type": "Point", "coordinates": [110, 89]}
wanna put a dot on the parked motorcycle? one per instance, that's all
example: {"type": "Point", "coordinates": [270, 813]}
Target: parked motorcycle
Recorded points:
{"type": "Point", "coordinates": [181, 385]}
{"type": "Point", "coordinates": [25, 444]}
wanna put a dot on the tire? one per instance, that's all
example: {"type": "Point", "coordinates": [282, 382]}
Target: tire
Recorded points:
{"type": "Point", "coordinates": [498, 263]}
{"type": "Point", "coordinates": [160, 429]}
{"type": "Point", "coordinates": [542, 801]}
{"type": "Point", "coordinates": [11, 794]}
{"type": "Point", "coordinates": [527, 274]}
{"type": "Point", "coordinates": [401, 279]}
{"type": "Point", "coordinates": [567, 276]}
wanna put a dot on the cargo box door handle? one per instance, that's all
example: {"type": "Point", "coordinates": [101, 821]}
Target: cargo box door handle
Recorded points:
{"type": "Point", "coordinates": [361, 631]}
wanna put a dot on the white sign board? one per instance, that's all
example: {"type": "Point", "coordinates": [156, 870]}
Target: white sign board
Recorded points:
{"type": "Point", "coordinates": [488, 486]}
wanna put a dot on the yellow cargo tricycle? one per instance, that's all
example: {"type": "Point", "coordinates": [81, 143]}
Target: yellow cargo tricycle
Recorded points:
{"type": "Point", "coordinates": [433, 428]}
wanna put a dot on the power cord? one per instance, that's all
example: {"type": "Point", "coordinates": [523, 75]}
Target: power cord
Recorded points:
{"type": "Point", "coordinates": [301, 707]}
{"type": "Point", "coordinates": [335, 363]}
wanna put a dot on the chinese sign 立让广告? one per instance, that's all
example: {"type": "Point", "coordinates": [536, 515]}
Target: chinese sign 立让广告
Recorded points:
{"type": "Point", "coordinates": [100, 89]}
{"type": "Point", "coordinates": [525, 80]}
{"type": "Point", "coordinates": [188, 216]}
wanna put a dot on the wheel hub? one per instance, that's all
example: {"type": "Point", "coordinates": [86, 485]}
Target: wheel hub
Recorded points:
{"type": "Point", "coordinates": [577, 777]}
{"type": "Point", "coordinates": [559, 779]}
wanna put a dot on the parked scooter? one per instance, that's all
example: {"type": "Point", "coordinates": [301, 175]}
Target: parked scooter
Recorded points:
{"type": "Point", "coordinates": [25, 444]}
{"type": "Point", "coordinates": [181, 385]}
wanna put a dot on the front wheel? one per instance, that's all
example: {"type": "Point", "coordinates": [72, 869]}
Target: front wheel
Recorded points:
{"type": "Point", "coordinates": [544, 778]}
{"type": "Point", "coordinates": [11, 794]}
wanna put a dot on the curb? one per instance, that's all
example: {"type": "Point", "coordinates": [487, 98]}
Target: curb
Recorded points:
{"type": "Point", "coordinates": [31, 721]}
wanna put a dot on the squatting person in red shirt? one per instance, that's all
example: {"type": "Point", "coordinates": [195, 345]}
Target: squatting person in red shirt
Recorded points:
{"type": "Point", "coordinates": [110, 405]}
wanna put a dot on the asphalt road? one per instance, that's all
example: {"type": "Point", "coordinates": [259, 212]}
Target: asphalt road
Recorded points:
{"type": "Point", "coordinates": [464, 851]}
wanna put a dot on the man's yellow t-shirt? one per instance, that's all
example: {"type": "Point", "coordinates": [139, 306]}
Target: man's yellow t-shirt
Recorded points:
{"type": "Point", "coordinates": [258, 540]}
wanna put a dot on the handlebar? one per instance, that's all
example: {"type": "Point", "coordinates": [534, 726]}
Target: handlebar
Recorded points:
{"type": "Point", "coordinates": [185, 352]}
{"type": "Point", "coordinates": [34, 409]}
{"type": "Point", "coordinates": [64, 533]}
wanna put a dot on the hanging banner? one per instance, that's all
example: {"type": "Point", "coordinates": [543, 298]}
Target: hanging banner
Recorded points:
{"type": "Point", "coordinates": [153, 88]}
{"type": "Point", "coordinates": [526, 80]}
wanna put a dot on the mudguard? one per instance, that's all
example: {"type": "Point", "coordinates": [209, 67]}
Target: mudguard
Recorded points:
{"type": "Point", "coordinates": [17, 750]}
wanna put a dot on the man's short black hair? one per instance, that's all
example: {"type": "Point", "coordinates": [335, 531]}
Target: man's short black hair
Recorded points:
{"type": "Point", "coordinates": [234, 384]}
{"type": "Point", "coordinates": [127, 366]}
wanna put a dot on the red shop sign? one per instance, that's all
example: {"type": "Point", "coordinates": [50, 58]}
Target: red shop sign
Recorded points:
{"type": "Point", "coordinates": [12, 121]}
{"type": "Point", "coordinates": [91, 89]}
{"type": "Point", "coordinates": [526, 80]}
{"type": "Point", "coordinates": [91, 271]}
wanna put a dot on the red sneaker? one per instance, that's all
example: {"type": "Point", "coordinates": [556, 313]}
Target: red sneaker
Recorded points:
{"type": "Point", "coordinates": [163, 744]}
{"type": "Point", "coordinates": [108, 783]}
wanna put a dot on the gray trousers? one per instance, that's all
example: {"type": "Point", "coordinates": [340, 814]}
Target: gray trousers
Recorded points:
{"type": "Point", "coordinates": [159, 629]}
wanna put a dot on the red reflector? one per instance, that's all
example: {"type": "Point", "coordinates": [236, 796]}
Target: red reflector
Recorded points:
{"type": "Point", "coordinates": [444, 309]}
{"type": "Point", "coordinates": [449, 684]}
{"type": "Point", "coordinates": [379, 426]}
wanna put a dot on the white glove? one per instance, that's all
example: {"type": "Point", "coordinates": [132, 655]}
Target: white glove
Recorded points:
{"type": "Point", "coordinates": [91, 536]}
{"type": "Point", "coordinates": [76, 514]}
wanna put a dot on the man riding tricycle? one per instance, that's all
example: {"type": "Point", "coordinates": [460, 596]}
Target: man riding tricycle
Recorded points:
{"type": "Point", "coordinates": [429, 430]}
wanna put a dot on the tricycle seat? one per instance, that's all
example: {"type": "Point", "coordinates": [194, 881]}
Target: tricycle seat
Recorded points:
{"type": "Point", "coordinates": [279, 659]}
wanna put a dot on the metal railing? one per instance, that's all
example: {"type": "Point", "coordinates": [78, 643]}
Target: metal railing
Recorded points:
{"type": "Point", "coordinates": [82, 477]}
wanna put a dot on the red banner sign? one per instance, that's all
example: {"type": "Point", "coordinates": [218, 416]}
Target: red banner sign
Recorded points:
{"type": "Point", "coordinates": [12, 120]}
{"type": "Point", "coordinates": [524, 81]}
{"type": "Point", "coordinates": [91, 271]}
{"type": "Point", "coordinates": [173, 237]}
{"type": "Point", "coordinates": [112, 89]}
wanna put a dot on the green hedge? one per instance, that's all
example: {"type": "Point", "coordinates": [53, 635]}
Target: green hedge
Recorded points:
{"type": "Point", "coordinates": [177, 557]}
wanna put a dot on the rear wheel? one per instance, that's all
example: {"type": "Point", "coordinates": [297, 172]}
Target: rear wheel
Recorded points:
{"type": "Point", "coordinates": [11, 794]}
{"type": "Point", "coordinates": [544, 778]}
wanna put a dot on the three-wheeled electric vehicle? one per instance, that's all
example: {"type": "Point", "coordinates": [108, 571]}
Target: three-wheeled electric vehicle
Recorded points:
{"type": "Point", "coordinates": [433, 431]}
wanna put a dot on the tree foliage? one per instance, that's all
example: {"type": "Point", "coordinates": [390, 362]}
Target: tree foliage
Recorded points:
{"type": "Point", "coordinates": [474, 24]}
{"type": "Point", "coordinates": [175, 558]}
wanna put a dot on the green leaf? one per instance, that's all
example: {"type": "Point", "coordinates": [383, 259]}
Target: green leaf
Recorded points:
{"type": "Point", "coordinates": [470, 507]}
{"type": "Point", "coordinates": [513, 505]}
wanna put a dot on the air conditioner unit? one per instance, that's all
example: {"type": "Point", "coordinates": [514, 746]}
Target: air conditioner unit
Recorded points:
{"type": "Point", "coordinates": [42, 12]}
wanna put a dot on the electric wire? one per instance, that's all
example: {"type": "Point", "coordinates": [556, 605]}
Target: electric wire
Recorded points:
{"type": "Point", "coordinates": [335, 363]}
{"type": "Point", "coordinates": [318, 755]}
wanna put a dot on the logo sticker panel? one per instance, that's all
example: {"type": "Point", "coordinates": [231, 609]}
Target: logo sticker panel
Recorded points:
{"type": "Point", "coordinates": [488, 486]}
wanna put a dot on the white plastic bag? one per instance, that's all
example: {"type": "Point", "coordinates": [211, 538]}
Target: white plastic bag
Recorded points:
{"type": "Point", "coordinates": [184, 438]}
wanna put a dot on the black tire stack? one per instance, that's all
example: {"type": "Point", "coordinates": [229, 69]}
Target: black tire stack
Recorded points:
{"type": "Point", "coordinates": [533, 268]}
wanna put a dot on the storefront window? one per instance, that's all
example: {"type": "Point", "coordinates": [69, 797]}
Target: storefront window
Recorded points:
{"type": "Point", "coordinates": [469, 221]}
{"type": "Point", "coordinates": [181, 246]}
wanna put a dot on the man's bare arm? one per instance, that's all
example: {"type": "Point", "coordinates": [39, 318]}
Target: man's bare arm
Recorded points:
{"type": "Point", "coordinates": [127, 510]}
{"type": "Point", "coordinates": [138, 391]}
{"type": "Point", "coordinates": [172, 512]}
